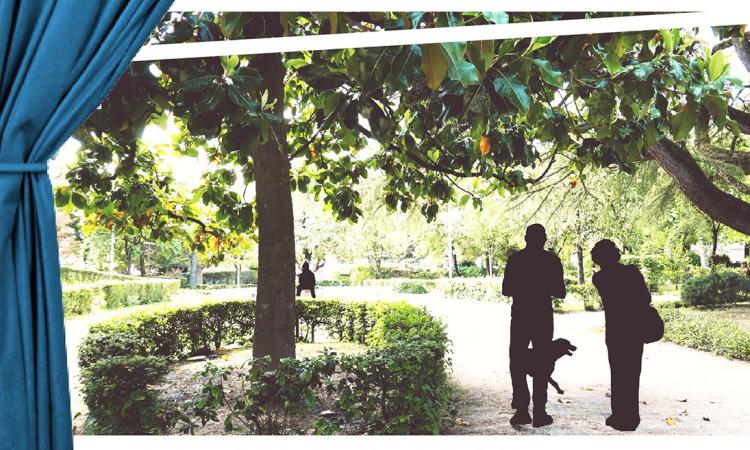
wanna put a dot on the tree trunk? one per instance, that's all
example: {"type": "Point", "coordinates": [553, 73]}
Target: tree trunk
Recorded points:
{"type": "Point", "coordinates": [193, 281]}
{"type": "Point", "coordinates": [199, 274]}
{"type": "Point", "coordinates": [717, 204]}
{"type": "Point", "coordinates": [455, 265]}
{"type": "Point", "coordinates": [489, 263]}
{"type": "Point", "coordinates": [238, 274]}
{"type": "Point", "coordinates": [579, 257]}
{"type": "Point", "coordinates": [128, 257]}
{"type": "Point", "coordinates": [275, 312]}
{"type": "Point", "coordinates": [142, 260]}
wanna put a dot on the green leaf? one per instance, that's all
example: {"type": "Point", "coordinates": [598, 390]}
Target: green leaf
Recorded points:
{"type": "Point", "coordinates": [496, 17]}
{"type": "Point", "coordinates": [434, 65]}
{"type": "Point", "coordinates": [320, 77]}
{"type": "Point", "coordinates": [458, 67]}
{"type": "Point", "coordinates": [684, 121]}
{"type": "Point", "coordinates": [549, 75]}
{"type": "Point", "coordinates": [717, 66]}
{"type": "Point", "coordinates": [511, 88]}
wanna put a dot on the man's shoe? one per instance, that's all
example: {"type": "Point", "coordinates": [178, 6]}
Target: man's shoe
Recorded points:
{"type": "Point", "coordinates": [542, 420]}
{"type": "Point", "coordinates": [521, 417]}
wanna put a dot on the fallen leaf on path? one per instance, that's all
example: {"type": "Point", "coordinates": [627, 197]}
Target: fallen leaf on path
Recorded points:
{"type": "Point", "coordinates": [683, 412]}
{"type": "Point", "coordinates": [682, 400]}
{"type": "Point", "coordinates": [706, 419]}
{"type": "Point", "coordinates": [461, 422]}
{"type": "Point", "coordinates": [670, 421]}
{"type": "Point", "coordinates": [608, 394]}
{"type": "Point", "coordinates": [587, 388]}
{"type": "Point", "coordinates": [644, 402]}
{"type": "Point", "coordinates": [564, 400]}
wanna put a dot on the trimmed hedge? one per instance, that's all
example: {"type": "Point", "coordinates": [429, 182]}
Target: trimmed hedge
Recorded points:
{"type": "Point", "coordinates": [410, 287]}
{"type": "Point", "coordinates": [138, 292]}
{"type": "Point", "coordinates": [404, 369]}
{"type": "Point", "coordinates": [69, 275]}
{"type": "Point", "coordinates": [78, 299]}
{"type": "Point", "coordinates": [588, 295]}
{"type": "Point", "coordinates": [247, 276]}
{"type": "Point", "coordinates": [486, 289]}
{"type": "Point", "coordinates": [695, 330]}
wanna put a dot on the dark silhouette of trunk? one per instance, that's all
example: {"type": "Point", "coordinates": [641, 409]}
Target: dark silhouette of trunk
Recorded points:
{"type": "Point", "coordinates": [128, 257]}
{"type": "Point", "coordinates": [455, 264]}
{"type": "Point", "coordinates": [142, 260]}
{"type": "Point", "coordinates": [488, 257]}
{"type": "Point", "coordinates": [579, 257]}
{"type": "Point", "coordinates": [193, 280]}
{"type": "Point", "coordinates": [275, 312]}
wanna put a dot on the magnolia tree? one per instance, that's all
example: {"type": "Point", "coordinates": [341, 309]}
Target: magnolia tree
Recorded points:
{"type": "Point", "coordinates": [505, 112]}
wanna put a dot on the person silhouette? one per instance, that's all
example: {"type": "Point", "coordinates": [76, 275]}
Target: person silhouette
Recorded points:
{"type": "Point", "coordinates": [532, 277]}
{"type": "Point", "coordinates": [306, 280]}
{"type": "Point", "coordinates": [625, 298]}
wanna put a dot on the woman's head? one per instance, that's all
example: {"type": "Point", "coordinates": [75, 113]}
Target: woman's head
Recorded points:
{"type": "Point", "coordinates": [605, 253]}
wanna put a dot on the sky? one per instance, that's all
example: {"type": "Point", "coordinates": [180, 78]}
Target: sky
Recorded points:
{"type": "Point", "coordinates": [185, 168]}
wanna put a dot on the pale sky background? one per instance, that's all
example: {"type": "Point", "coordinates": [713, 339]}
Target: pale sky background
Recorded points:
{"type": "Point", "coordinates": [185, 169]}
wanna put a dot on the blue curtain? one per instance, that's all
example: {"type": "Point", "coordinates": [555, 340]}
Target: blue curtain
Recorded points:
{"type": "Point", "coordinates": [58, 59]}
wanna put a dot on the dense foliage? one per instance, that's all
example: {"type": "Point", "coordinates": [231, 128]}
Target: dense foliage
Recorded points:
{"type": "Point", "coordinates": [716, 288]}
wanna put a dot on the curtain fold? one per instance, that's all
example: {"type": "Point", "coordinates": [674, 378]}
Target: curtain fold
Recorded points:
{"type": "Point", "coordinates": [58, 60]}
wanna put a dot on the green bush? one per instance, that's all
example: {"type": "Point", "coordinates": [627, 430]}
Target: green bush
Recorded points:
{"type": "Point", "coordinates": [138, 292]}
{"type": "Point", "coordinates": [486, 289]}
{"type": "Point", "coordinates": [700, 331]}
{"type": "Point", "coordinates": [588, 295]}
{"type": "Point", "coordinates": [410, 287]}
{"type": "Point", "coordinates": [78, 299]}
{"type": "Point", "coordinates": [405, 341]}
{"type": "Point", "coordinates": [327, 283]}
{"type": "Point", "coordinates": [716, 288]}
{"type": "Point", "coordinates": [360, 274]}
{"type": "Point", "coordinates": [213, 287]}
{"type": "Point", "coordinates": [119, 398]}
{"type": "Point", "coordinates": [470, 270]}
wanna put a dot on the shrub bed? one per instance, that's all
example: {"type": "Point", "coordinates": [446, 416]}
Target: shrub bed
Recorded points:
{"type": "Point", "coordinates": [138, 292]}
{"type": "Point", "coordinates": [588, 295]}
{"type": "Point", "coordinates": [410, 287]}
{"type": "Point", "coordinates": [487, 289]}
{"type": "Point", "coordinates": [403, 370]}
{"type": "Point", "coordinates": [717, 335]}
{"type": "Point", "coordinates": [716, 288]}
{"type": "Point", "coordinates": [247, 276]}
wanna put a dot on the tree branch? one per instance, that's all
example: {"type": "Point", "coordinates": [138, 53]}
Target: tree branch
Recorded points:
{"type": "Point", "coordinates": [719, 205]}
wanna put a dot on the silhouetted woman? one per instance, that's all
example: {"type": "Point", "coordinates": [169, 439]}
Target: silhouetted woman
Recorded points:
{"type": "Point", "coordinates": [625, 298]}
{"type": "Point", "coordinates": [306, 280]}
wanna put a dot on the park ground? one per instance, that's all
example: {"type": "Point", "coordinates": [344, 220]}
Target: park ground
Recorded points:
{"type": "Point", "coordinates": [683, 391]}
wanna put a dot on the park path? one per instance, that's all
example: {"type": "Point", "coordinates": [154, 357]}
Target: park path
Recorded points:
{"type": "Point", "coordinates": [701, 393]}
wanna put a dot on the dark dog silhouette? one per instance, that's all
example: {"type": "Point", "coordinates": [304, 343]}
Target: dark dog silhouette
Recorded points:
{"type": "Point", "coordinates": [541, 363]}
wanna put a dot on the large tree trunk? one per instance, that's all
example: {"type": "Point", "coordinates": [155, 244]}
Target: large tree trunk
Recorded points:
{"type": "Point", "coordinates": [716, 203]}
{"type": "Point", "coordinates": [275, 312]}
{"type": "Point", "coordinates": [238, 274]}
{"type": "Point", "coordinates": [128, 257]}
{"type": "Point", "coordinates": [142, 260]}
{"type": "Point", "coordinates": [193, 280]}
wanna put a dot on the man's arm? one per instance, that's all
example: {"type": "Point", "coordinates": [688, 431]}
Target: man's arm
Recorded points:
{"type": "Point", "coordinates": [558, 280]}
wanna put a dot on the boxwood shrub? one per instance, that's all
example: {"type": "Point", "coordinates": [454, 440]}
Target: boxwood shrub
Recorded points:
{"type": "Point", "coordinates": [78, 299]}
{"type": "Point", "coordinates": [404, 367]}
{"type": "Point", "coordinates": [716, 288]}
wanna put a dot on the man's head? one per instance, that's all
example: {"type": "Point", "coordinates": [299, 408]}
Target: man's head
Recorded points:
{"type": "Point", "coordinates": [306, 266]}
{"type": "Point", "coordinates": [605, 253]}
{"type": "Point", "coordinates": [536, 236]}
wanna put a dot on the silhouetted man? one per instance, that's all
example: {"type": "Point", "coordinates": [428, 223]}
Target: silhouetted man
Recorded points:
{"type": "Point", "coordinates": [532, 277]}
{"type": "Point", "coordinates": [625, 298]}
{"type": "Point", "coordinates": [306, 280]}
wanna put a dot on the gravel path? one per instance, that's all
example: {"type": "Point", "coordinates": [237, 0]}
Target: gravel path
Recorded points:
{"type": "Point", "coordinates": [683, 391]}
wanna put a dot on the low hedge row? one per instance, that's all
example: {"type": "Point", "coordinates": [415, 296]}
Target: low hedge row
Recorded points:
{"type": "Point", "coordinates": [397, 386]}
{"type": "Point", "coordinates": [78, 299]}
{"type": "Point", "coordinates": [486, 289]}
{"type": "Point", "coordinates": [699, 331]}
{"type": "Point", "coordinates": [69, 276]}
